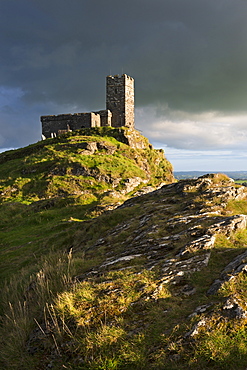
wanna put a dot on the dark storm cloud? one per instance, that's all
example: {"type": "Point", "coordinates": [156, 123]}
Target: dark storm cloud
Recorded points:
{"type": "Point", "coordinates": [187, 56]}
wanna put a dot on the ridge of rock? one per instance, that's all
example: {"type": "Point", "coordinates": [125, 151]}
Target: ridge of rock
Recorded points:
{"type": "Point", "coordinates": [179, 232]}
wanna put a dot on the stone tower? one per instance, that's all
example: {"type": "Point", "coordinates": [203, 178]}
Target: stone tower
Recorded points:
{"type": "Point", "coordinates": [120, 100]}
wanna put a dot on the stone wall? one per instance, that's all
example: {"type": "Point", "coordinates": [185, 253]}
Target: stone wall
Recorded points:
{"type": "Point", "coordinates": [51, 125]}
{"type": "Point", "coordinates": [105, 117]}
{"type": "Point", "coordinates": [119, 110]}
{"type": "Point", "coordinates": [129, 102]}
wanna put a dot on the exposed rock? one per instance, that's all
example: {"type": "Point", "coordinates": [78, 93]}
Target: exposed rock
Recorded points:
{"type": "Point", "coordinates": [188, 290]}
{"type": "Point", "coordinates": [230, 310]}
{"type": "Point", "coordinates": [197, 327]}
{"type": "Point", "coordinates": [190, 235]}
{"type": "Point", "coordinates": [200, 309]}
{"type": "Point", "coordinates": [203, 242]}
{"type": "Point", "coordinates": [214, 287]}
{"type": "Point", "coordinates": [233, 310]}
{"type": "Point", "coordinates": [146, 190]}
{"type": "Point", "coordinates": [228, 192]}
{"type": "Point", "coordinates": [174, 269]}
{"type": "Point", "coordinates": [132, 183]}
{"type": "Point", "coordinates": [132, 138]}
{"type": "Point", "coordinates": [226, 227]}
{"type": "Point", "coordinates": [229, 225]}
{"type": "Point", "coordinates": [88, 147]}
{"type": "Point", "coordinates": [230, 271]}
{"type": "Point", "coordinates": [121, 259]}
{"type": "Point", "coordinates": [109, 149]}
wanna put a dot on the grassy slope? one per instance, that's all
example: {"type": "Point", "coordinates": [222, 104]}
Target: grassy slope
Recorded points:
{"type": "Point", "coordinates": [45, 196]}
{"type": "Point", "coordinates": [107, 321]}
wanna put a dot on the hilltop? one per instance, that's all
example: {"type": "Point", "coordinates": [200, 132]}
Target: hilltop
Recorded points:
{"type": "Point", "coordinates": [48, 185]}
{"type": "Point", "coordinates": [88, 161]}
{"type": "Point", "coordinates": [111, 264]}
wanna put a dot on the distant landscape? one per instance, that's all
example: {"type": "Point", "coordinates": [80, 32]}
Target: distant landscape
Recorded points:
{"type": "Point", "coordinates": [236, 175]}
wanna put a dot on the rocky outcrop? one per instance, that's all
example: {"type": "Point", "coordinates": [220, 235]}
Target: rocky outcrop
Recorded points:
{"type": "Point", "coordinates": [100, 162]}
{"type": "Point", "coordinates": [176, 227]}
{"type": "Point", "coordinates": [173, 231]}
{"type": "Point", "coordinates": [170, 233]}
{"type": "Point", "coordinates": [239, 264]}
{"type": "Point", "coordinates": [133, 138]}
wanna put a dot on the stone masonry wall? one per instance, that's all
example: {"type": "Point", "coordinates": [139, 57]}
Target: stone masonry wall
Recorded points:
{"type": "Point", "coordinates": [51, 125]}
{"type": "Point", "coordinates": [119, 110]}
{"type": "Point", "coordinates": [105, 117]}
{"type": "Point", "coordinates": [129, 102]}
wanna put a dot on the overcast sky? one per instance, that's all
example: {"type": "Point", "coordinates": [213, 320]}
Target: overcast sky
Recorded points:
{"type": "Point", "coordinates": [188, 58]}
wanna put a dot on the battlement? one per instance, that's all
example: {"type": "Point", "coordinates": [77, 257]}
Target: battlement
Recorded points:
{"type": "Point", "coordinates": [120, 77]}
{"type": "Point", "coordinates": [119, 110]}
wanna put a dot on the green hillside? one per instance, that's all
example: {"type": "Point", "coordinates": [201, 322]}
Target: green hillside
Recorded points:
{"type": "Point", "coordinates": [47, 188]}
{"type": "Point", "coordinates": [108, 263]}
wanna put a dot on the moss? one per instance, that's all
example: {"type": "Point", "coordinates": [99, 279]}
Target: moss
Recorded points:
{"type": "Point", "coordinates": [44, 169]}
